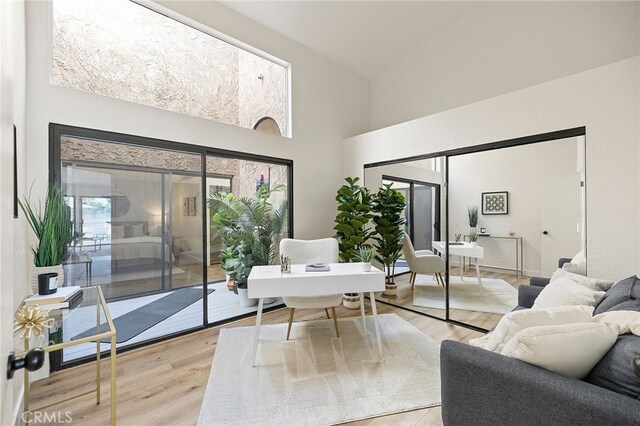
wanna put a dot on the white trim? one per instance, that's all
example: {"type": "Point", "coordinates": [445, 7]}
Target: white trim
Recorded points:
{"type": "Point", "coordinates": [17, 409]}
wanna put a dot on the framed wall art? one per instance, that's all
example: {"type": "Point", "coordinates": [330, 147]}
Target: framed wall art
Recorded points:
{"type": "Point", "coordinates": [495, 203]}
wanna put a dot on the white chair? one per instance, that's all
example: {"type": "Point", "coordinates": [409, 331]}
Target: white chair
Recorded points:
{"type": "Point", "coordinates": [422, 262]}
{"type": "Point", "coordinates": [312, 251]}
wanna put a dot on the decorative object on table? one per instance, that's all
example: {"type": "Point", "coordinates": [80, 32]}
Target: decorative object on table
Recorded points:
{"type": "Point", "coordinates": [473, 219]}
{"type": "Point", "coordinates": [483, 230]}
{"type": "Point", "coordinates": [495, 202]}
{"type": "Point", "coordinates": [352, 220]}
{"type": "Point", "coordinates": [316, 267]}
{"type": "Point", "coordinates": [473, 239]}
{"type": "Point", "coordinates": [251, 229]}
{"type": "Point", "coordinates": [388, 206]}
{"type": "Point", "coordinates": [285, 264]}
{"type": "Point", "coordinates": [30, 321]}
{"type": "Point", "coordinates": [62, 295]}
{"type": "Point", "coordinates": [458, 236]}
{"type": "Point", "coordinates": [365, 255]}
{"type": "Point", "coordinates": [47, 283]}
{"type": "Point", "coordinates": [53, 229]}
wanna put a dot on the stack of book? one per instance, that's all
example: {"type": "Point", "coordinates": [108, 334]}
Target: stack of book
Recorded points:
{"type": "Point", "coordinates": [64, 298]}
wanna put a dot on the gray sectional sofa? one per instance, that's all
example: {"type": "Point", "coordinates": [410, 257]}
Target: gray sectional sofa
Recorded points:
{"type": "Point", "coordinates": [485, 388]}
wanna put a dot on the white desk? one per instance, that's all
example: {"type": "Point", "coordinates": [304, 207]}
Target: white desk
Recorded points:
{"type": "Point", "coordinates": [463, 250]}
{"type": "Point", "coordinates": [268, 281]}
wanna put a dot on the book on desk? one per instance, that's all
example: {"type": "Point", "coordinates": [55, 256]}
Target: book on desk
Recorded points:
{"type": "Point", "coordinates": [316, 267]}
{"type": "Point", "coordinates": [64, 297]}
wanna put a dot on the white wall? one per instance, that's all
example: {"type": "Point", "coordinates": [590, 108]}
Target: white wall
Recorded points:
{"type": "Point", "coordinates": [533, 175]}
{"type": "Point", "coordinates": [329, 104]}
{"type": "Point", "coordinates": [499, 47]}
{"type": "Point", "coordinates": [605, 100]}
{"type": "Point", "coordinates": [14, 258]}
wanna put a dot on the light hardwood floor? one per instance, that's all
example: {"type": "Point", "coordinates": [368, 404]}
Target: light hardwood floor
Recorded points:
{"type": "Point", "coordinates": [164, 383]}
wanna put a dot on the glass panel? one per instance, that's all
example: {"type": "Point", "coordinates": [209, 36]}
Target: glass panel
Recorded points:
{"type": "Point", "coordinates": [133, 237]}
{"type": "Point", "coordinates": [423, 292]}
{"type": "Point", "coordinates": [526, 191]}
{"type": "Point", "coordinates": [120, 49]}
{"type": "Point", "coordinates": [242, 178]}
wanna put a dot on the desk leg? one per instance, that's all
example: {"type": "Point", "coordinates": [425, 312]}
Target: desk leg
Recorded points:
{"type": "Point", "coordinates": [461, 268]}
{"type": "Point", "coordinates": [478, 273]}
{"type": "Point", "coordinates": [362, 314]}
{"type": "Point", "coordinates": [114, 399]}
{"type": "Point", "coordinates": [98, 356]}
{"type": "Point", "coordinates": [372, 296]}
{"type": "Point", "coordinates": [256, 336]}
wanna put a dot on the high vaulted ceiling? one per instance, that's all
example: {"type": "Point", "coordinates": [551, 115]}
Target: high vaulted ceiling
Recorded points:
{"type": "Point", "coordinates": [363, 36]}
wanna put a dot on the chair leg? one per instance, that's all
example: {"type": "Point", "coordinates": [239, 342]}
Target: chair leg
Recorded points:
{"type": "Point", "coordinates": [326, 311]}
{"type": "Point", "coordinates": [290, 321]}
{"type": "Point", "coordinates": [335, 321]}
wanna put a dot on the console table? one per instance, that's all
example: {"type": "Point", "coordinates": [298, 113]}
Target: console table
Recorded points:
{"type": "Point", "coordinates": [94, 304]}
{"type": "Point", "coordinates": [519, 266]}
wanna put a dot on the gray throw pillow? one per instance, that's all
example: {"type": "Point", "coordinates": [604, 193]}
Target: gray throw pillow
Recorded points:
{"type": "Point", "coordinates": [620, 292]}
{"type": "Point", "coordinates": [614, 371]}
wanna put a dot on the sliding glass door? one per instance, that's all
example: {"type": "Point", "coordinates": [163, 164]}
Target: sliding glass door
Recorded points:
{"type": "Point", "coordinates": [142, 229]}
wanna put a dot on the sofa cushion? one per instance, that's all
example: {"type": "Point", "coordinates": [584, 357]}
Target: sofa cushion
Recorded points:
{"type": "Point", "coordinates": [620, 292]}
{"type": "Point", "coordinates": [515, 321]}
{"type": "Point", "coordinates": [614, 371]}
{"type": "Point", "coordinates": [569, 349]}
{"type": "Point", "coordinates": [628, 321]}
{"type": "Point", "coordinates": [566, 291]}
{"type": "Point", "coordinates": [592, 283]}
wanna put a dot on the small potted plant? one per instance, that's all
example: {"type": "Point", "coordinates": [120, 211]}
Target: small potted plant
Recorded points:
{"type": "Point", "coordinates": [365, 255]}
{"type": "Point", "coordinates": [54, 231]}
{"type": "Point", "coordinates": [473, 219]}
{"type": "Point", "coordinates": [473, 239]}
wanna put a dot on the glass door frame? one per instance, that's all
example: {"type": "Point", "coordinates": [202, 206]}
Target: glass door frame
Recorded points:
{"type": "Point", "coordinates": [508, 143]}
{"type": "Point", "coordinates": [57, 131]}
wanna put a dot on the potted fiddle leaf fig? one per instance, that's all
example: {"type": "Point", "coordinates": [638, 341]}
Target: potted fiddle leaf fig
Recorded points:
{"type": "Point", "coordinates": [388, 219]}
{"type": "Point", "coordinates": [53, 228]}
{"type": "Point", "coordinates": [352, 226]}
{"type": "Point", "coordinates": [251, 229]}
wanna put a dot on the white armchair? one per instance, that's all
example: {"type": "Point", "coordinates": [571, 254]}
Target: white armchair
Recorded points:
{"type": "Point", "coordinates": [312, 251]}
{"type": "Point", "coordinates": [422, 262]}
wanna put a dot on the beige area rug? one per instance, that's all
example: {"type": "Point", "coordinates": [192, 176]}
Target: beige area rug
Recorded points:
{"type": "Point", "coordinates": [317, 379]}
{"type": "Point", "coordinates": [495, 296]}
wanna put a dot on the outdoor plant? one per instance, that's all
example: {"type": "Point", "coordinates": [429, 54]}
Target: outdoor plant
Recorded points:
{"type": "Point", "coordinates": [52, 226]}
{"type": "Point", "coordinates": [365, 254]}
{"type": "Point", "coordinates": [250, 227]}
{"type": "Point", "coordinates": [354, 214]}
{"type": "Point", "coordinates": [473, 216]}
{"type": "Point", "coordinates": [388, 220]}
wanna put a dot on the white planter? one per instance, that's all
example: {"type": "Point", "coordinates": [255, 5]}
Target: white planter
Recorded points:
{"type": "Point", "coordinates": [474, 244]}
{"type": "Point", "coordinates": [37, 270]}
{"type": "Point", "coordinates": [351, 301]}
{"type": "Point", "coordinates": [243, 298]}
{"type": "Point", "coordinates": [366, 266]}
{"type": "Point", "coordinates": [390, 290]}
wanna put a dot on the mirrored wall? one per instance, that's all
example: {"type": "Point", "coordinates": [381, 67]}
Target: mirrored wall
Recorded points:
{"type": "Point", "coordinates": [480, 222]}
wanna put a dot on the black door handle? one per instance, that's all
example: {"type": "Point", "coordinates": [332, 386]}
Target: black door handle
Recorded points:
{"type": "Point", "coordinates": [545, 232]}
{"type": "Point", "coordinates": [34, 360]}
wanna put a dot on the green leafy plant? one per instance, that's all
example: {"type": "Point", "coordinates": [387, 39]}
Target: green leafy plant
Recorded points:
{"type": "Point", "coordinates": [365, 254]}
{"type": "Point", "coordinates": [473, 238]}
{"type": "Point", "coordinates": [473, 216]}
{"type": "Point", "coordinates": [388, 206]}
{"type": "Point", "coordinates": [52, 226]}
{"type": "Point", "coordinates": [250, 227]}
{"type": "Point", "coordinates": [354, 214]}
